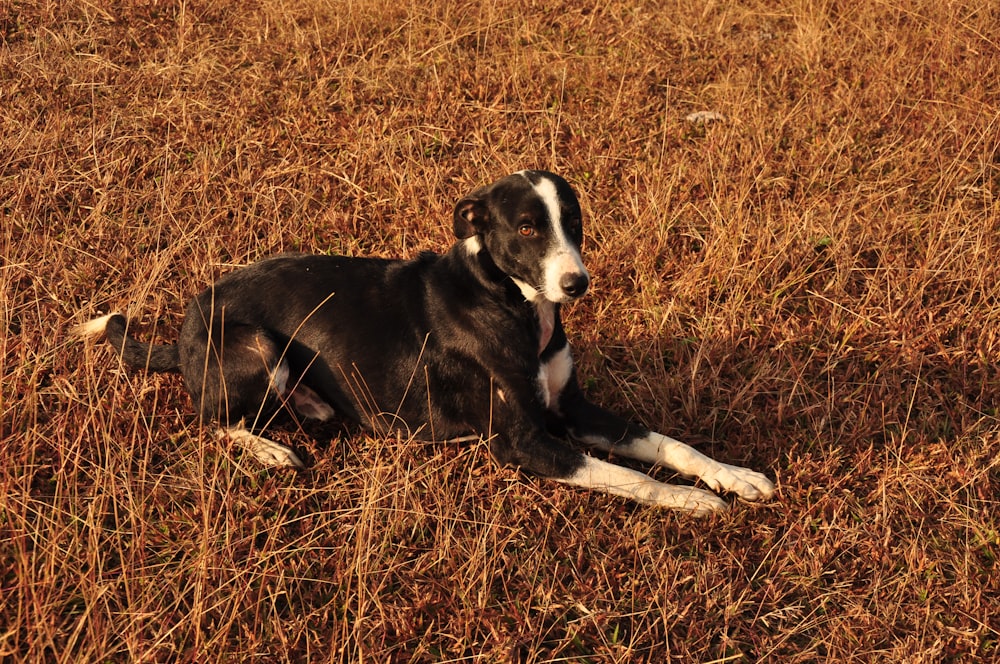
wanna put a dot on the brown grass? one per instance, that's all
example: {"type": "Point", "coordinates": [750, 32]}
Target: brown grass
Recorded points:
{"type": "Point", "coordinates": [810, 287]}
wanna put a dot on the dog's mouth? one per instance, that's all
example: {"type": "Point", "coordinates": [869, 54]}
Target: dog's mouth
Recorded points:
{"type": "Point", "coordinates": [530, 293]}
{"type": "Point", "coordinates": [569, 287]}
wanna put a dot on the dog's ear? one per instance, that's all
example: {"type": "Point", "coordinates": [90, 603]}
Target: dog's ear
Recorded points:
{"type": "Point", "coordinates": [471, 215]}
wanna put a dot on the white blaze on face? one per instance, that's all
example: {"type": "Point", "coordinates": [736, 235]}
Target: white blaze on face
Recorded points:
{"type": "Point", "coordinates": [562, 257]}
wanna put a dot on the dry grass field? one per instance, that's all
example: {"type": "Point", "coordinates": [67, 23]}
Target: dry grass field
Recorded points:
{"type": "Point", "coordinates": [810, 287]}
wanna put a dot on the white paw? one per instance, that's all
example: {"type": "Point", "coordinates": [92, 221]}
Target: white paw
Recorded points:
{"type": "Point", "coordinates": [745, 483]}
{"type": "Point", "coordinates": [694, 501]}
{"type": "Point", "coordinates": [699, 503]}
{"type": "Point", "coordinates": [265, 451]}
{"type": "Point", "coordinates": [271, 453]}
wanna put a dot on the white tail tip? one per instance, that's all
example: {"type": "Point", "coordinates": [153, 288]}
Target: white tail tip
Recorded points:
{"type": "Point", "coordinates": [93, 328]}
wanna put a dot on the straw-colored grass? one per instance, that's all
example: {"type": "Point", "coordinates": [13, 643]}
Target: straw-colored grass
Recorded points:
{"type": "Point", "coordinates": [810, 287]}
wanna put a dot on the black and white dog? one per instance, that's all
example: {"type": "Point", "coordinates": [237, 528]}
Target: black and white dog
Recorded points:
{"type": "Point", "coordinates": [437, 347]}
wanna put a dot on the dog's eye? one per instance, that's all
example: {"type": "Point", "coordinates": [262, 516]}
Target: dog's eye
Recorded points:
{"type": "Point", "coordinates": [526, 230]}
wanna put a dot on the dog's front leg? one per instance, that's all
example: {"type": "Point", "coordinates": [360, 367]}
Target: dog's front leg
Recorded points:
{"type": "Point", "coordinates": [596, 427]}
{"type": "Point", "coordinates": [541, 454]}
{"type": "Point", "coordinates": [656, 448]}
{"type": "Point", "coordinates": [520, 439]}
{"type": "Point", "coordinates": [619, 481]}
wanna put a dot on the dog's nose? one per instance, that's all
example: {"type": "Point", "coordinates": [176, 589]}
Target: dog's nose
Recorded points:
{"type": "Point", "coordinates": [574, 285]}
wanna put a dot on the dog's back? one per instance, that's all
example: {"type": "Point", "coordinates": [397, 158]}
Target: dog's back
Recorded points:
{"type": "Point", "coordinates": [397, 345]}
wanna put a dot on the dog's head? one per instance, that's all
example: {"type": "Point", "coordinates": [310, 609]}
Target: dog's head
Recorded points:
{"type": "Point", "coordinates": [531, 226]}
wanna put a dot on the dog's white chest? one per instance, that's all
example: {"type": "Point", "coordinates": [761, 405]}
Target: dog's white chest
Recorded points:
{"type": "Point", "coordinates": [554, 373]}
{"type": "Point", "coordinates": [553, 376]}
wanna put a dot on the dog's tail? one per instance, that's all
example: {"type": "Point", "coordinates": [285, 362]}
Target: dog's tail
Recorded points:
{"type": "Point", "coordinates": [133, 353]}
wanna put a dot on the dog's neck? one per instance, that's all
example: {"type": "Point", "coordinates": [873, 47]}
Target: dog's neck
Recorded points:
{"type": "Point", "coordinates": [472, 248]}
{"type": "Point", "coordinates": [545, 309]}
{"type": "Point", "coordinates": [546, 322]}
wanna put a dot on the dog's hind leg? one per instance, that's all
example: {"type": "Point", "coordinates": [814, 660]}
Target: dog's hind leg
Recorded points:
{"type": "Point", "coordinates": [241, 372]}
{"type": "Point", "coordinates": [235, 375]}
{"type": "Point", "coordinates": [238, 376]}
